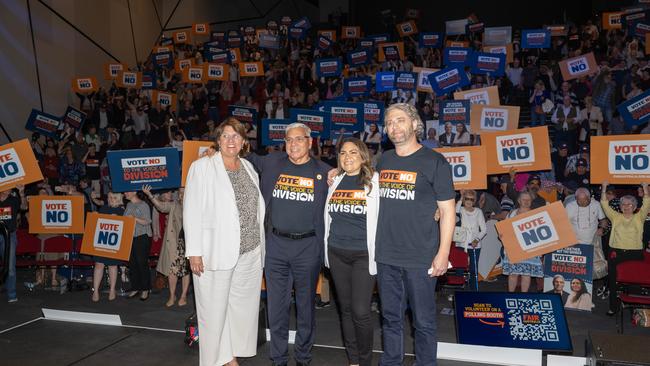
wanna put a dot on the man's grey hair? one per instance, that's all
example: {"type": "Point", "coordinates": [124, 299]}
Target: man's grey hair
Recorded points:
{"type": "Point", "coordinates": [630, 199]}
{"type": "Point", "coordinates": [412, 113]}
{"type": "Point", "coordinates": [582, 190]}
{"type": "Point", "coordinates": [298, 125]}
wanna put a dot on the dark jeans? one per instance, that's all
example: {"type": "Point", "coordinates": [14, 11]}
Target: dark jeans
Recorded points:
{"type": "Point", "coordinates": [10, 284]}
{"type": "Point", "coordinates": [616, 257]}
{"type": "Point", "coordinates": [139, 264]}
{"type": "Point", "coordinates": [354, 286]}
{"type": "Point", "coordinates": [291, 264]}
{"type": "Point", "coordinates": [474, 255]}
{"type": "Point", "coordinates": [396, 286]}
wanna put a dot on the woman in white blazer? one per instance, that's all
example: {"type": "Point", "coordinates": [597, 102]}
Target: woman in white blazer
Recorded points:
{"type": "Point", "coordinates": [351, 216]}
{"type": "Point", "coordinates": [223, 221]}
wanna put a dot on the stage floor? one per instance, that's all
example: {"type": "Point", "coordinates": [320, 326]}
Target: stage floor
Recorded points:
{"type": "Point", "coordinates": [37, 341]}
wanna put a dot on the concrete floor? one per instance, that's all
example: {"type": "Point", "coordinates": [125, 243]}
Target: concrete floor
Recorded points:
{"type": "Point", "coordinates": [48, 342]}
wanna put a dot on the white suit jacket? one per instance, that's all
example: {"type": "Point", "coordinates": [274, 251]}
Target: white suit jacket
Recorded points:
{"type": "Point", "coordinates": [210, 214]}
{"type": "Point", "coordinates": [372, 215]}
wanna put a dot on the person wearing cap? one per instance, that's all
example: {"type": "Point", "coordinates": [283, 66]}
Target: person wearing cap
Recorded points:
{"type": "Point", "coordinates": [533, 185]}
{"type": "Point", "coordinates": [559, 158]}
{"type": "Point", "coordinates": [583, 153]}
{"type": "Point", "coordinates": [581, 175]}
{"type": "Point", "coordinates": [566, 122]}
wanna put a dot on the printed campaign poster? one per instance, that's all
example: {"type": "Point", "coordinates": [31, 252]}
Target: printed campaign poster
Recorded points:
{"type": "Point", "coordinates": [359, 57]}
{"type": "Point", "coordinates": [85, 85]}
{"type": "Point", "coordinates": [297, 32]}
{"type": "Point", "coordinates": [624, 159]}
{"type": "Point", "coordinates": [504, 50]}
{"type": "Point", "coordinates": [391, 51]}
{"type": "Point", "coordinates": [456, 56]}
{"type": "Point", "coordinates": [468, 166]}
{"type": "Point", "coordinates": [385, 81]}
{"type": "Point", "coordinates": [517, 320]}
{"type": "Point", "coordinates": [407, 28]}
{"type": "Point", "coordinates": [192, 150]}
{"type": "Point", "coordinates": [131, 169]}
{"type": "Point", "coordinates": [357, 87]}
{"type": "Point", "coordinates": [251, 69]}
{"type": "Point", "coordinates": [269, 41]}
{"type": "Point", "coordinates": [497, 36]}
{"type": "Point", "coordinates": [489, 95]}
{"type": "Point", "coordinates": [220, 57]}
{"type": "Point", "coordinates": [323, 43]}
{"type": "Point", "coordinates": [149, 80]}
{"type": "Point", "coordinates": [180, 65]}
{"type": "Point", "coordinates": [317, 121]}
{"type": "Point", "coordinates": [526, 150]}
{"type": "Point", "coordinates": [56, 214]}
{"type": "Point", "coordinates": [455, 112]}
{"type": "Point", "coordinates": [448, 80]}
{"type": "Point", "coordinates": [43, 123]}
{"type": "Point", "coordinates": [537, 232]}
{"type": "Point", "coordinates": [636, 111]}
{"type": "Point", "coordinates": [492, 64]}
{"type": "Point", "coordinates": [201, 29]}
{"type": "Point", "coordinates": [166, 100]}
{"type": "Point", "coordinates": [181, 37]}
{"type": "Point", "coordinates": [350, 32]}
{"type": "Point", "coordinates": [583, 65]}
{"type": "Point", "coordinates": [612, 20]}
{"type": "Point", "coordinates": [535, 38]}
{"type": "Point", "coordinates": [373, 113]}
{"type": "Point", "coordinates": [456, 27]}
{"type": "Point", "coordinates": [163, 59]}
{"type": "Point", "coordinates": [129, 79]}
{"type": "Point", "coordinates": [72, 119]}
{"type": "Point", "coordinates": [431, 39]}
{"type": "Point", "coordinates": [568, 273]}
{"type": "Point", "coordinates": [328, 67]}
{"type": "Point", "coordinates": [345, 115]}
{"type": "Point", "coordinates": [457, 44]}
{"type": "Point", "coordinates": [423, 78]}
{"type": "Point", "coordinates": [492, 118]}
{"type": "Point", "coordinates": [214, 71]}
{"type": "Point", "coordinates": [328, 33]}
{"type": "Point", "coordinates": [194, 75]}
{"type": "Point", "coordinates": [243, 114]}
{"type": "Point", "coordinates": [274, 131]}
{"type": "Point", "coordinates": [108, 236]}
{"type": "Point", "coordinates": [112, 69]}
{"type": "Point", "coordinates": [18, 165]}
{"type": "Point", "coordinates": [405, 80]}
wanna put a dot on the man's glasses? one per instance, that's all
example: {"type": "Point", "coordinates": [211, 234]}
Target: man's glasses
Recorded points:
{"type": "Point", "coordinates": [297, 139]}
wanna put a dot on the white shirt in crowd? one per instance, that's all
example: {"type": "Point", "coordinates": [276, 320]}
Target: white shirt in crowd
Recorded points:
{"type": "Point", "coordinates": [514, 74]}
{"type": "Point", "coordinates": [585, 220]}
{"type": "Point", "coordinates": [140, 122]}
{"type": "Point", "coordinates": [474, 225]}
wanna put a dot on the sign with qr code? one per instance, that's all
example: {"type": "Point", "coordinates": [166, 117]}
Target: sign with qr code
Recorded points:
{"type": "Point", "coordinates": [519, 320]}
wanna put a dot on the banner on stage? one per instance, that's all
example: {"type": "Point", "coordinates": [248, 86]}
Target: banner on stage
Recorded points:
{"type": "Point", "coordinates": [526, 150]}
{"type": "Point", "coordinates": [536, 232]}
{"type": "Point", "coordinates": [274, 131]}
{"type": "Point", "coordinates": [357, 87]}
{"type": "Point", "coordinates": [166, 100]}
{"type": "Point", "coordinates": [109, 236]}
{"type": "Point", "coordinates": [192, 150]}
{"type": "Point", "coordinates": [448, 80]}
{"type": "Point", "coordinates": [568, 273]}
{"type": "Point", "coordinates": [251, 69]}
{"type": "Point", "coordinates": [517, 320]}
{"type": "Point", "coordinates": [423, 78]}
{"type": "Point", "coordinates": [18, 165]}
{"type": "Point", "coordinates": [624, 159]}
{"type": "Point", "coordinates": [407, 28]}
{"type": "Point", "coordinates": [131, 169]}
{"type": "Point", "coordinates": [493, 64]}
{"type": "Point", "coordinates": [405, 80]}
{"type": "Point", "coordinates": [56, 214]}
{"type": "Point", "coordinates": [455, 112]}
{"type": "Point", "coordinates": [328, 67]}
{"type": "Point", "coordinates": [583, 65]}
{"type": "Point", "coordinates": [44, 123]}
{"type": "Point", "coordinates": [468, 166]}
{"type": "Point", "coordinates": [489, 95]}
{"type": "Point", "coordinates": [243, 114]}
{"type": "Point", "coordinates": [492, 118]}
{"type": "Point", "coordinates": [317, 121]}
{"type": "Point", "coordinates": [636, 111]}
{"type": "Point", "coordinates": [112, 69]}
{"type": "Point", "coordinates": [456, 56]}
{"type": "Point", "coordinates": [84, 85]}
{"type": "Point", "coordinates": [535, 38]}
{"type": "Point", "coordinates": [431, 39]}
{"type": "Point", "coordinates": [384, 81]}
{"type": "Point", "coordinates": [350, 32]}
{"type": "Point", "coordinates": [504, 50]}
{"type": "Point", "coordinates": [346, 115]}
{"type": "Point", "coordinates": [217, 71]}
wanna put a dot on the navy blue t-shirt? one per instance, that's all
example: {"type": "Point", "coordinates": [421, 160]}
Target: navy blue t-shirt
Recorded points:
{"type": "Point", "coordinates": [348, 210]}
{"type": "Point", "coordinates": [292, 206]}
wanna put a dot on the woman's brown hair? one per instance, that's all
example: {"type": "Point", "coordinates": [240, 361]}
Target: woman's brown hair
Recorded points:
{"type": "Point", "coordinates": [238, 127]}
{"type": "Point", "coordinates": [365, 175]}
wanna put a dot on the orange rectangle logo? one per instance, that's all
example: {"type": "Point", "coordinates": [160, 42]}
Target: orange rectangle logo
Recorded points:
{"type": "Point", "coordinates": [526, 150]}
{"type": "Point", "coordinates": [612, 20]}
{"type": "Point", "coordinates": [192, 150]}
{"type": "Point", "coordinates": [166, 100]}
{"type": "Point", "coordinates": [18, 165]}
{"type": "Point", "coordinates": [56, 214]}
{"type": "Point", "coordinates": [108, 236]}
{"type": "Point", "coordinates": [112, 69]}
{"type": "Point", "coordinates": [194, 75]}
{"type": "Point", "coordinates": [406, 29]}
{"type": "Point", "coordinates": [575, 67]}
{"type": "Point", "coordinates": [622, 159]}
{"type": "Point", "coordinates": [85, 85]}
{"type": "Point", "coordinates": [181, 37]}
{"type": "Point", "coordinates": [217, 71]}
{"type": "Point", "coordinates": [294, 181]}
{"type": "Point", "coordinates": [250, 69]}
{"type": "Point", "coordinates": [128, 79]}
{"type": "Point", "coordinates": [536, 232]}
{"type": "Point", "coordinates": [350, 32]}
{"type": "Point", "coordinates": [200, 28]}
{"type": "Point", "coordinates": [328, 33]}
{"type": "Point", "coordinates": [398, 176]}
{"type": "Point", "coordinates": [468, 166]}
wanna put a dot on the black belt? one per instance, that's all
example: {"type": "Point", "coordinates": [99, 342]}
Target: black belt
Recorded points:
{"type": "Point", "coordinates": [294, 236]}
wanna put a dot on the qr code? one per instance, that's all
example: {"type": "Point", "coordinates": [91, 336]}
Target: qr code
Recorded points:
{"type": "Point", "coordinates": [532, 320]}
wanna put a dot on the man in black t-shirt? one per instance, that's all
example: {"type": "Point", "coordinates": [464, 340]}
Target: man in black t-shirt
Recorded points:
{"type": "Point", "coordinates": [411, 248]}
{"type": "Point", "coordinates": [10, 206]}
{"type": "Point", "coordinates": [294, 187]}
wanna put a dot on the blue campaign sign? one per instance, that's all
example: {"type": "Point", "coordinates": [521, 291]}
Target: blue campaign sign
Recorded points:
{"type": "Point", "coordinates": [366, 43]}
{"type": "Point", "coordinates": [243, 114]}
{"type": "Point", "coordinates": [373, 112]}
{"type": "Point", "coordinates": [148, 80]}
{"type": "Point", "coordinates": [234, 39]}
{"type": "Point", "coordinates": [222, 57]}
{"type": "Point", "coordinates": [273, 131]}
{"type": "Point", "coordinates": [328, 67]}
{"type": "Point", "coordinates": [405, 80]}
{"type": "Point", "coordinates": [567, 268]}
{"type": "Point", "coordinates": [74, 118]}
{"type": "Point", "coordinates": [317, 121]}
{"type": "Point", "coordinates": [493, 64]}
{"type": "Point", "coordinates": [448, 80]}
{"type": "Point", "coordinates": [357, 87]}
{"type": "Point", "coordinates": [384, 81]}
{"type": "Point", "coordinates": [323, 43]}
{"type": "Point", "coordinates": [535, 38]}
{"type": "Point", "coordinates": [431, 39]}
{"type": "Point", "coordinates": [297, 33]}
{"type": "Point", "coordinates": [163, 59]}
{"type": "Point", "coordinates": [131, 169]}
{"type": "Point", "coordinates": [269, 41]}
{"type": "Point", "coordinates": [359, 57]}
{"type": "Point", "coordinates": [345, 115]}
{"type": "Point", "coordinates": [455, 111]}
{"type": "Point", "coordinates": [380, 38]}
{"type": "Point", "coordinates": [302, 23]}
{"type": "Point", "coordinates": [456, 56]}
{"type": "Point", "coordinates": [636, 111]}
{"type": "Point", "coordinates": [43, 123]}
{"type": "Point", "coordinates": [518, 320]}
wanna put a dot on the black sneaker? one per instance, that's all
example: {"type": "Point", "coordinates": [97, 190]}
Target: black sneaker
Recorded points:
{"type": "Point", "coordinates": [322, 304]}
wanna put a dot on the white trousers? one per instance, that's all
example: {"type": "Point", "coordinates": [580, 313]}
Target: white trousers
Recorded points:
{"type": "Point", "coordinates": [227, 306]}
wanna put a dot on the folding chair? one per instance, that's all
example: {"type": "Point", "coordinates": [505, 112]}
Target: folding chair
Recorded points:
{"type": "Point", "coordinates": [633, 274]}
{"type": "Point", "coordinates": [27, 248]}
{"type": "Point", "coordinates": [456, 276]}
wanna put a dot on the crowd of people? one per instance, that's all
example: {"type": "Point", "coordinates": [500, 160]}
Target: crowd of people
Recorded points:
{"type": "Point", "coordinates": [367, 244]}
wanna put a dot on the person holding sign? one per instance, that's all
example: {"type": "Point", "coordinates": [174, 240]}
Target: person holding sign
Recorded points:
{"type": "Point", "coordinates": [223, 221]}
{"type": "Point", "coordinates": [412, 248]}
{"type": "Point", "coordinates": [350, 229]}
{"type": "Point", "coordinates": [139, 259]}
{"type": "Point", "coordinates": [525, 269]}
{"type": "Point", "coordinates": [113, 206]}
{"type": "Point", "coordinates": [472, 222]}
{"type": "Point", "coordinates": [625, 239]}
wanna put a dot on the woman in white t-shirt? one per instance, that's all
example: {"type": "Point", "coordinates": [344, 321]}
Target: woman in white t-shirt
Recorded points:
{"type": "Point", "coordinates": [472, 222]}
